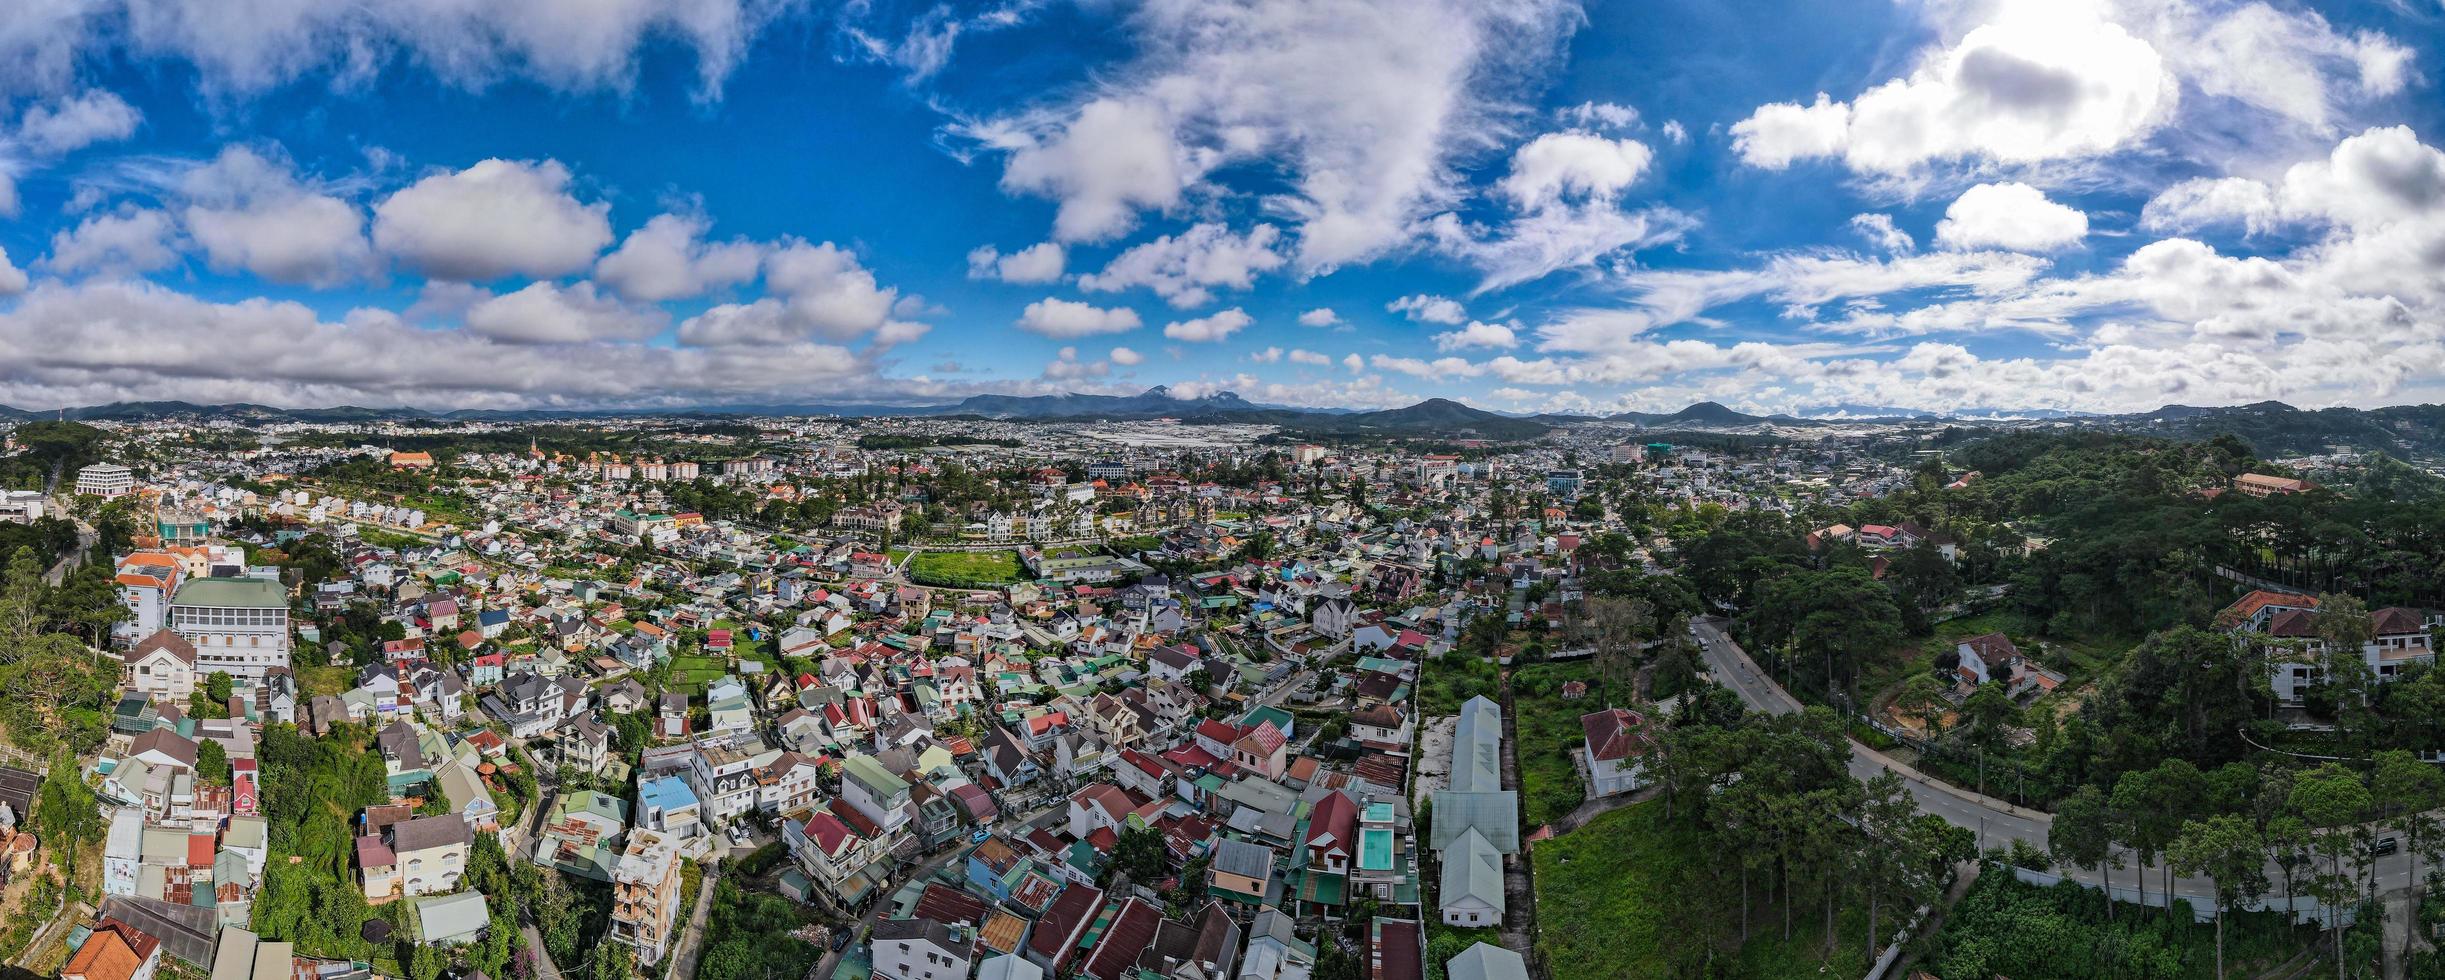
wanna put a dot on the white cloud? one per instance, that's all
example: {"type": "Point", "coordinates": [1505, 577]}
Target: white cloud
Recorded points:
{"type": "Point", "coordinates": [1556, 166]}
{"type": "Point", "coordinates": [1565, 193]}
{"type": "Point", "coordinates": [1210, 328]}
{"type": "Point", "coordinates": [70, 124]}
{"type": "Point", "coordinates": [2042, 80]}
{"type": "Point", "coordinates": [12, 278]}
{"type": "Point", "coordinates": [1185, 269]}
{"type": "Point", "coordinates": [1429, 309]}
{"type": "Point", "coordinates": [1477, 334]}
{"type": "Point", "coordinates": [2291, 63]}
{"type": "Point", "coordinates": [810, 290]}
{"type": "Point", "coordinates": [130, 241]}
{"type": "Point", "coordinates": [543, 313]}
{"type": "Point", "coordinates": [1067, 318]}
{"type": "Point", "coordinates": [1322, 316]}
{"type": "Point", "coordinates": [250, 212]}
{"type": "Point", "coordinates": [1038, 263]}
{"type": "Point", "coordinates": [1125, 357]}
{"type": "Point", "coordinates": [497, 218]}
{"type": "Point", "coordinates": [1360, 103]}
{"type": "Point", "coordinates": [1066, 366]}
{"type": "Point", "coordinates": [1879, 230]}
{"type": "Point", "coordinates": [2010, 215]}
{"type": "Point", "coordinates": [1301, 356]}
{"type": "Point", "coordinates": [1439, 368]}
{"type": "Point", "coordinates": [568, 46]}
{"type": "Point", "coordinates": [2375, 178]}
{"type": "Point", "coordinates": [1606, 114]}
{"type": "Point", "coordinates": [1354, 362]}
{"type": "Point", "coordinates": [99, 341]}
{"type": "Point", "coordinates": [668, 258]}
{"type": "Point", "coordinates": [2204, 202]}
{"type": "Point", "coordinates": [1270, 355]}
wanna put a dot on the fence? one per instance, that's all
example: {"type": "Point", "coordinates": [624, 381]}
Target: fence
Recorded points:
{"type": "Point", "coordinates": [2302, 909]}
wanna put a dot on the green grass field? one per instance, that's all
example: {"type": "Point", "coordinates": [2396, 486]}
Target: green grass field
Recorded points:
{"type": "Point", "coordinates": [692, 673]}
{"type": "Point", "coordinates": [965, 567]}
{"type": "Point", "coordinates": [1550, 735]}
{"type": "Point", "coordinates": [1608, 895]}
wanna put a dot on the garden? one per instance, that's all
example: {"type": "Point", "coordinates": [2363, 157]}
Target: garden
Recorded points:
{"type": "Point", "coordinates": [961, 569]}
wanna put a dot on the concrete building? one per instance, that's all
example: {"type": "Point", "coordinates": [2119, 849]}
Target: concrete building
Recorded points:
{"type": "Point", "coordinates": [106, 479]}
{"type": "Point", "coordinates": [239, 626]}
{"type": "Point", "coordinates": [645, 894]}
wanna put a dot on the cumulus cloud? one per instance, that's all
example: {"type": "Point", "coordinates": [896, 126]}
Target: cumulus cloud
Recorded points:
{"type": "Point", "coordinates": [497, 218]}
{"type": "Point", "coordinates": [1038, 263]}
{"type": "Point", "coordinates": [543, 313]}
{"type": "Point", "coordinates": [1361, 103]}
{"type": "Point", "coordinates": [129, 241]}
{"type": "Point", "coordinates": [1066, 366]}
{"type": "Point", "coordinates": [1558, 165]}
{"type": "Point", "coordinates": [577, 47]}
{"type": "Point", "coordinates": [1322, 316]}
{"type": "Point", "coordinates": [2042, 80]}
{"type": "Point", "coordinates": [73, 123]}
{"type": "Point", "coordinates": [1125, 357]}
{"type": "Point", "coordinates": [668, 258]}
{"type": "Point", "coordinates": [1424, 308]}
{"type": "Point", "coordinates": [1270, 355]}
{"type": "Point", "coordinates": [1186, 268]}
{"type": "Point", "coordinates": [1565, 191]}
{"type": "Point", "coordinates": [1309, 357]}
{"type": "Point", "coordinates": [810, 290]}
{"type": "Point", "coordinates": [1477, 334]}
{"type": "Point", "coordinates": [1439, 368]}
{"type": "Point", "coordinates": [1879, 230]}
{"type": "Point", "coordinates": [1210, 328]}
{"type": "Point", "coordinates": [1052, 317]}
{"type": "Point", "coordinates": [2010, 215]}
{"type": "Point", "coordinates": [250, 212]}
{"type": "Point", "coordinates": [12, 278]}
{"type": "Point", "coordinates": [98, 341]}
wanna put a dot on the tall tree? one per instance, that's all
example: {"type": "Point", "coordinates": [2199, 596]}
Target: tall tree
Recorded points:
{"type": "Point", "coordinates": [2332, 801]}
{"type": "Point", "coordinates": [2227, 849]}
{"type": "Point", "coordinates": [2083, 835]}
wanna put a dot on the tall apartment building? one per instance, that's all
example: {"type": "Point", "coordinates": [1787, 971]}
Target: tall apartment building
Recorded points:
{"type": "Point", "coordinates": [239, 626]}
{"type": "Point", "coordinates": [645, 894]}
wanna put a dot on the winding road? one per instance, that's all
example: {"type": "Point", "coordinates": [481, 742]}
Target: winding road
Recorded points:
{"type": "Point", "coordinates": [1995, 821]}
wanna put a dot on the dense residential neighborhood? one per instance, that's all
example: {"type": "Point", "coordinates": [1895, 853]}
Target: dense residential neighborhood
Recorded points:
{"type": "Point", "coordinates": [1179, 707]}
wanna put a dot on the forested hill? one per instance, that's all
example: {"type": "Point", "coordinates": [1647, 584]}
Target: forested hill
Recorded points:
{"type": "Point", "coordinates": [2275, 429]}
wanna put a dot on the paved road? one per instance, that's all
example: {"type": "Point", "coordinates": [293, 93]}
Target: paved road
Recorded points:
{"type": "Point", "coordinates": [1994, 820]}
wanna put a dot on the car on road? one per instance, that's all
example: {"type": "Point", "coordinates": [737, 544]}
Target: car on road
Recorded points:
{"type": "Point", "coordinates": [2385, 845]}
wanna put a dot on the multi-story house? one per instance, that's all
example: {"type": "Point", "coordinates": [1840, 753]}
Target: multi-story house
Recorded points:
{"type": "Point", "coordinates": [645, 887]}
{"type": "Point", "coordinates": [147, 580]}
{"type": "Point", "coordinates": [875, 793]}
{"type": "Point", "coordinates": [162, 666]}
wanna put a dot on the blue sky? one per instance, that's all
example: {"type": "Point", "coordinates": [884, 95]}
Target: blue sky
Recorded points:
{"type": "Point", "coordinates": [1525, 204]}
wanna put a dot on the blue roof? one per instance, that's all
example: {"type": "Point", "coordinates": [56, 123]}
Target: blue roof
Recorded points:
{"type": "Point", "coordinates": [666, 793]}
{"type": "Point", "coordinates": [493, 617]}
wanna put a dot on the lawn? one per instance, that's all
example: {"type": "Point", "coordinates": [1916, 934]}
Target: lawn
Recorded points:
{"type": "Point", "coordinates": [691, 673]}
{"type": "Point", "coordinates": [961, 568]}
{"type": "Point", "coordinates": [1550, 735]}
{"type": "Point", "coordinates": [1614, 900]}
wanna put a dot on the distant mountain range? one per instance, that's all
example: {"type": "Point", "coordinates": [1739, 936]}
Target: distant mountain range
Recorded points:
{"type": "Point", "coordinates": [2272, 428]}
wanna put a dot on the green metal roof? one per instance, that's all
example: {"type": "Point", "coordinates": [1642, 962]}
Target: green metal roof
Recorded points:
{"type": "Point", "coordinates": [249, 593]}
